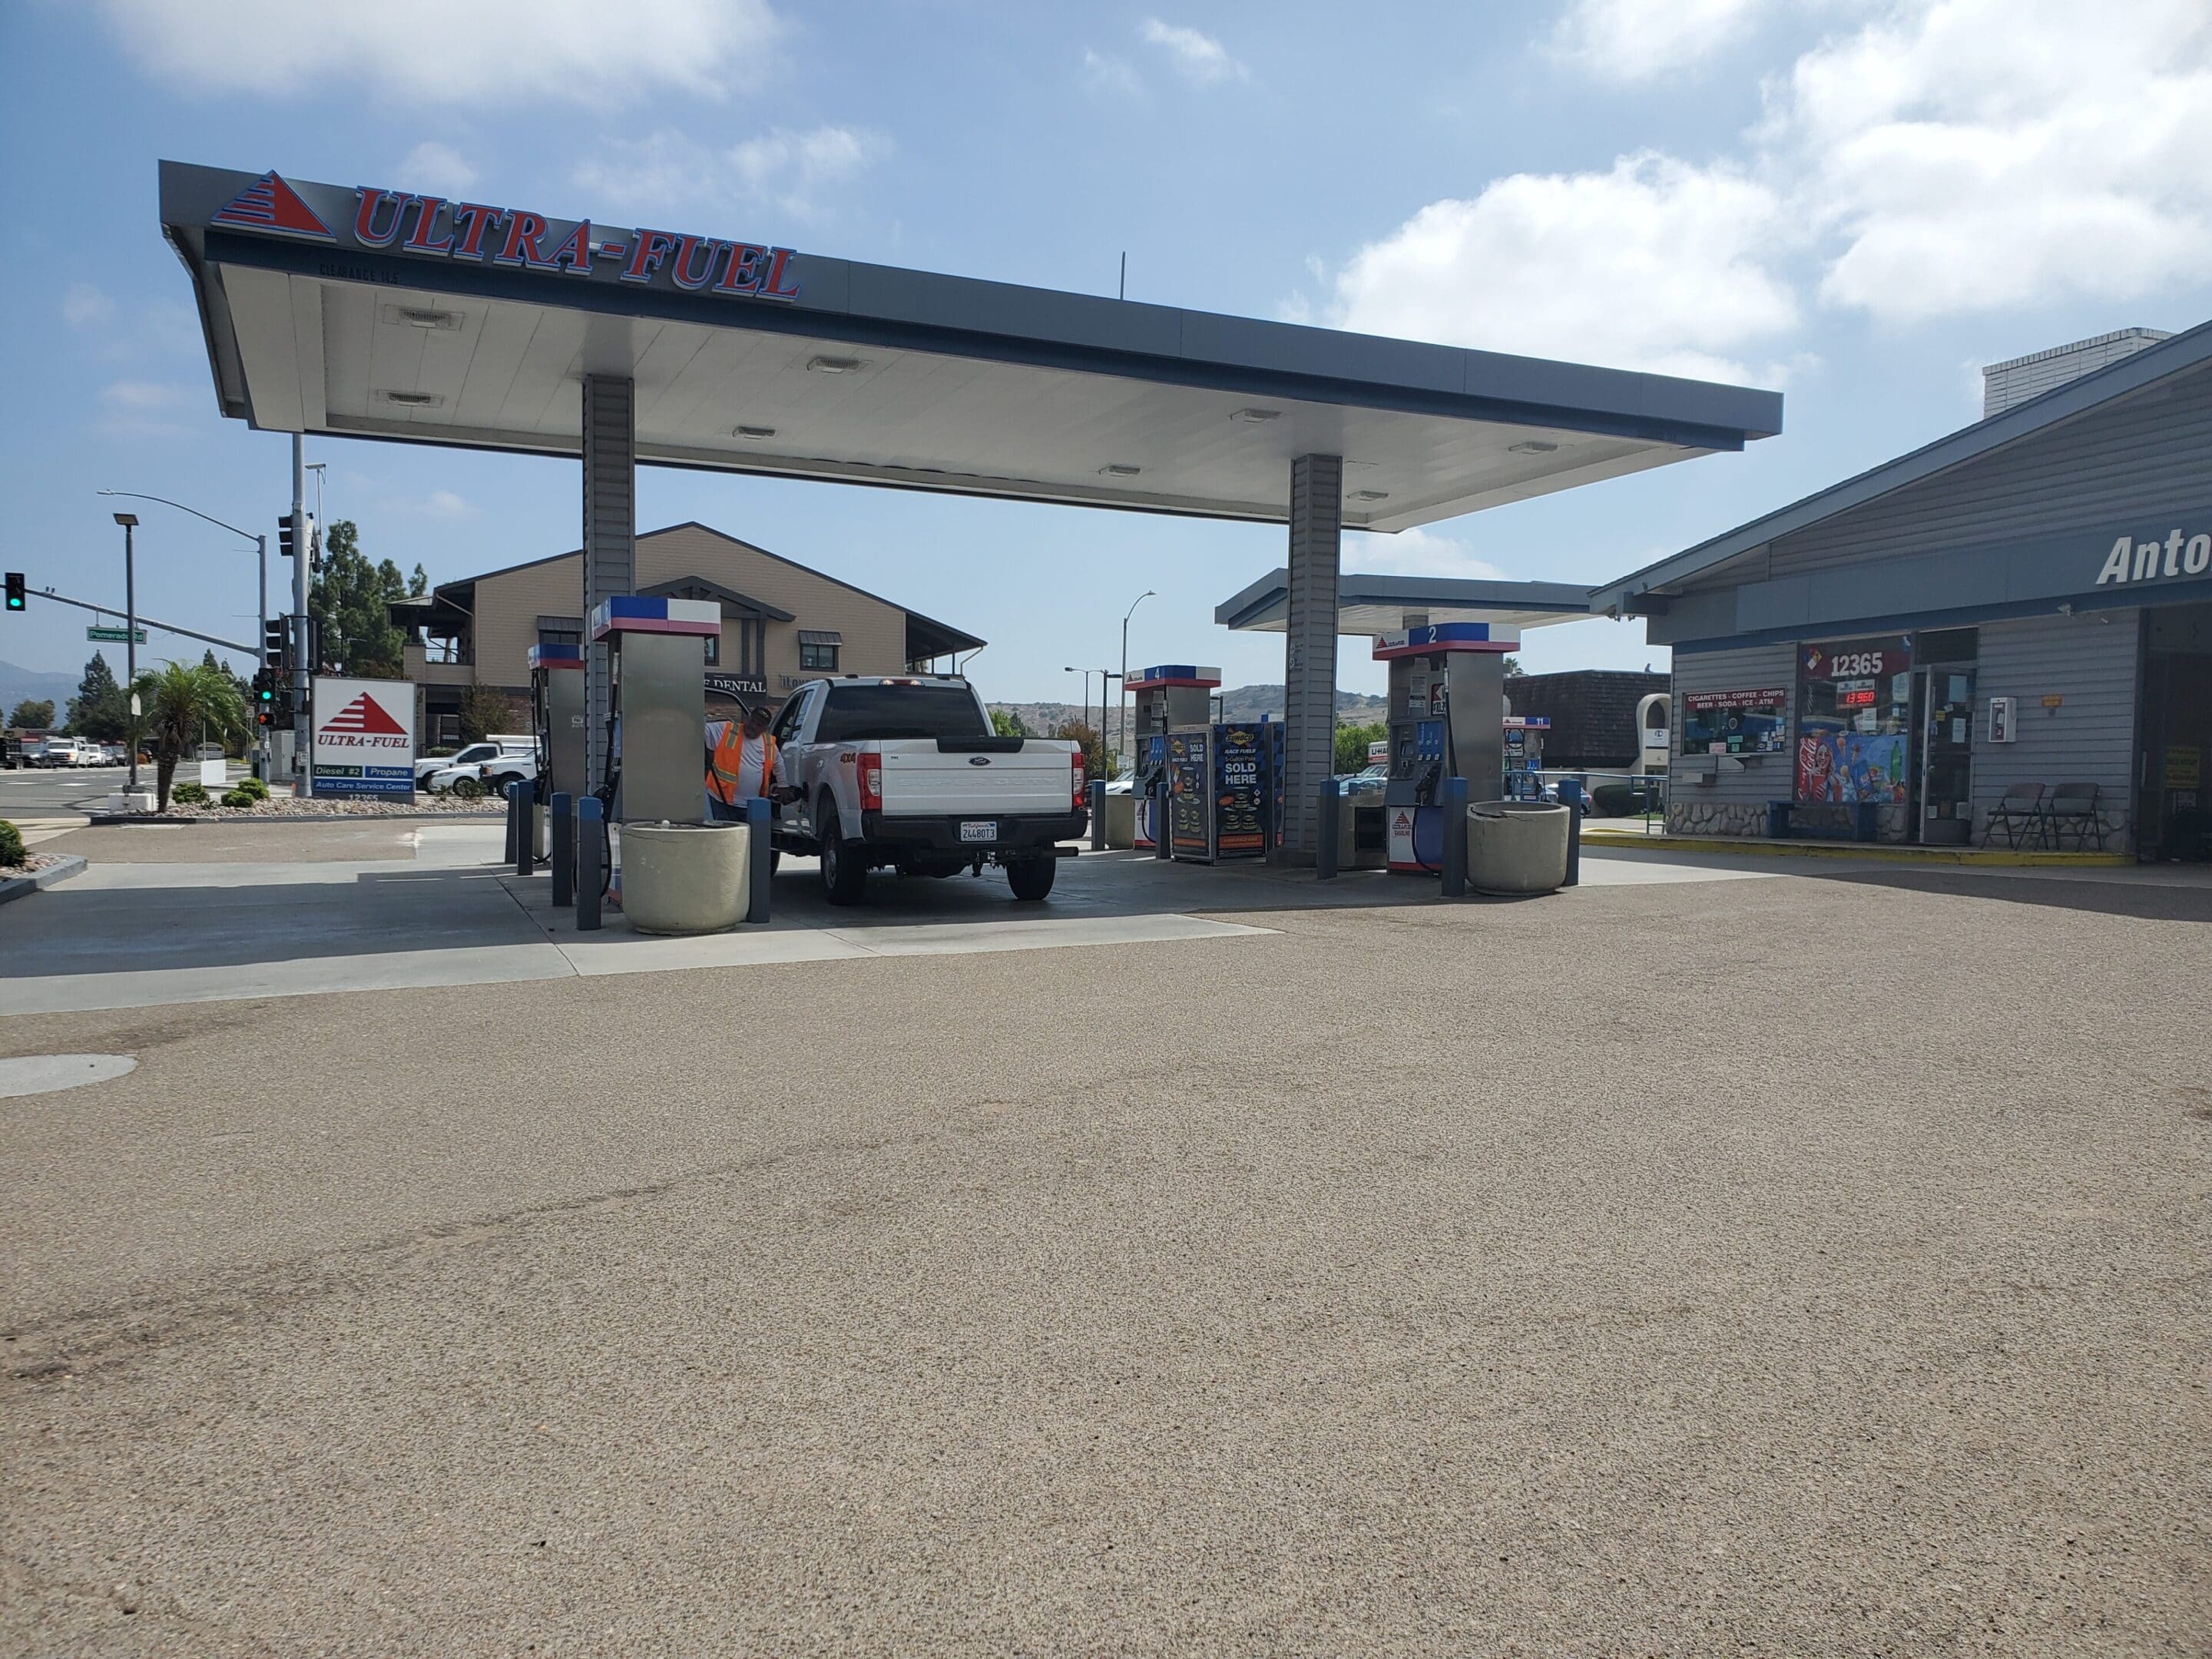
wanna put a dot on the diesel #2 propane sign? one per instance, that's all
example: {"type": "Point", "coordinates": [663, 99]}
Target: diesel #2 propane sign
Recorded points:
{"type": "Point", "coordinates": [364, 737]}
{"type": "Point", "coordinates": [386, 221]}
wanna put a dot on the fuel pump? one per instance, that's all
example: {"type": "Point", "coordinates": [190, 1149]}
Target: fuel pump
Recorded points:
{"type": "Point", "coordinates": [1446, 700]}
{"type": "Point", "coordinates": [556, 711]}
{"type": "Point", "coordinates": [658, 711]}
{"type": "Point", "coordinates": [1170, 697]}
{"type": "Point", "coordinates": [1524, 755]}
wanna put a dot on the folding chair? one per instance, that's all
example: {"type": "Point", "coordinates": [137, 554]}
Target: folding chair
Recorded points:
{"type": "Point", "coordinates": [2019, 812]}
{"type": "Point", "coordinates": [2074, 806]}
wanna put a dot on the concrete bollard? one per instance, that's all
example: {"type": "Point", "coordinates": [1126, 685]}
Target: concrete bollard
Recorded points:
{"type": "Point", "coordinates": [763, 854]}
{"type": "Point", "coordinates": [1455, 847]}
{"type": "Point", "coordinates": [1096, 793]}
{"type": "Point", "coordinates": [1160, 838]}
{"type": "Point", "coordinates": [591, 862]}
{"type": "Point", "coordinates": [524, 811]}
{"type": "Point", "coordinates": [1326, 850]}
{"type": "Point", "coordinates": [564, 849]}
{"type": "Point", "coordinates": [1574, 846]}
{"type": "Point", "coordinates": [507, 853]}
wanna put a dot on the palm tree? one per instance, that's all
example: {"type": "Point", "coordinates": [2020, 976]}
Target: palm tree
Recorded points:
{"type": "Point", "coordinates": [183, 702]}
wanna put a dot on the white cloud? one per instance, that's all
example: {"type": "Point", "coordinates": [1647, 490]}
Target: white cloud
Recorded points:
{"type": "Point", "coordinates": [1634, 40]}
{"type": "Point", "coordinates": [143, 395]}
{"type": "Point", "coordinates": [1109, 74]}
{"type": "Point", "coordinates": [444, 504]}
{"type": "Point", "coordinates": [84, 305]}
{"type": "Point", "coordinates": [144, 408]}
{"type": "Point", "coordinates": [1415, 552]}
{"type": "Point", "coordinates": [1971, 155]}
{"type": "Point", "coordinates": [793, 170]}
{"type": "Point", "coordinates": [1654, 265]}
{"type": "Point", "coordinates": [479, 52]}
{"type": "Point", "coordinates": [1197, 58]}
{"type": "Point", "coordinates": [433, 166]}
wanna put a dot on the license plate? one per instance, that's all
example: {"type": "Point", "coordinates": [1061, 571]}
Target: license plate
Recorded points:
{"type": "Point", "coordinates": [979, 829]}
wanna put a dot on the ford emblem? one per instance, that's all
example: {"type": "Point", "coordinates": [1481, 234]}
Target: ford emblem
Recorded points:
{"type": "Point", "coordinates": [979, 760]}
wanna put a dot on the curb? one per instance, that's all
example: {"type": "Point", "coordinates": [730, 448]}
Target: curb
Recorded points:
{"type": "Point", "coordinates": [113, 820]}
{"type": "Point", "coordinates": [1965, 858]}
{"type": "Point", "coordinates": [24, 886]}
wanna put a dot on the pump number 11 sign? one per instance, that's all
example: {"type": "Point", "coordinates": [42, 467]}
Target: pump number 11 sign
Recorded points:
{"type": "Point", "coordinates": [364, 737]}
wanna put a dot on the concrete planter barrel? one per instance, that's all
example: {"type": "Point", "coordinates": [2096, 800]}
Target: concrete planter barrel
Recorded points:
{"type": "Point", "coordinates": [1516, 846]}
{"type": "Point", "coordinates": [685, 877]}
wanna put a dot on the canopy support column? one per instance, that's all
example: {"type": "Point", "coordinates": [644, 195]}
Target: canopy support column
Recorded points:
{"type": "Point", "coordinates": [1310, 650]}
{"type": "Point", "coordinates": [609, 538]}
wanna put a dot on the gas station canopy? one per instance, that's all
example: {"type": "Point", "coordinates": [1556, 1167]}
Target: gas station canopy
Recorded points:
{"type": "Point", "coordinates": [381, 314]}
{"type": "Point", "coordinates": [1383, 604]}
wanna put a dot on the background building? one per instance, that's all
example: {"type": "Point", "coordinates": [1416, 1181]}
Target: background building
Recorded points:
{"type": "Point", "coordinates": [2027, 601]}
{"type": "Point", "coordinates": [1592, 711]}
{"type": "Point", "coordinates": [782, 623]}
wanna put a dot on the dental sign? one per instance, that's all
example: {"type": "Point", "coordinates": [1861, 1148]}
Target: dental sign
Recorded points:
{"type": "Point", "coordinates": [433, 227]}
{"type": "Point", "coordinates": [2177, 554]}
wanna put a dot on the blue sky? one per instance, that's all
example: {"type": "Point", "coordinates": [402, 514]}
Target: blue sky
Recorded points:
{"type": "Point", "coordinates": [1858, 202]}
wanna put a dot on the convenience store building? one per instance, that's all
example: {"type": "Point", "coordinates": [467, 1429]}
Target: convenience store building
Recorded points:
{"type": "Point", "coordinates": [2027, 601]}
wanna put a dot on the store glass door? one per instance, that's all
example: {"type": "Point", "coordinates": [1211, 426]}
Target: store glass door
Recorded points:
{"type": "Point", "coordinates": [2173, 808]}
{"type": "Point", "coordinates": [1945, 696]}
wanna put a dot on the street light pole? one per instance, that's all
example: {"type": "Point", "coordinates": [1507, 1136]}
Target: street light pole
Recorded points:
{"type": "Point", "coordinates": [129, 522]}
{"type": "Point", "coordinates": [302, 754]}
{"type": "Point", "coordinates": [1122, 703]}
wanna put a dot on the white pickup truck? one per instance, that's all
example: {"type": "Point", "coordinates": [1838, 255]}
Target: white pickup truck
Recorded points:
{"type": "Point", "coordinates": [906, 773]}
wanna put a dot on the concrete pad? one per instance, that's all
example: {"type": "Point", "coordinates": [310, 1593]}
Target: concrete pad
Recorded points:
{"type": "Point", "coordinates": [45, 1074]}
{"type": "Point", "coordinates": [389, 970]}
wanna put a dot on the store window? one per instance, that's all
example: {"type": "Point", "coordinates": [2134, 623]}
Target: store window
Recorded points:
{"type": "Point", "coordinates": [1855, 720]}
{"type": "Point", "coordinates": [817, 656]}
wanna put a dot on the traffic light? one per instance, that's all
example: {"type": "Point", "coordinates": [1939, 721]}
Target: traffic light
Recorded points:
{"type": "Point", "coordinates": [284, 537]}
{"type": "Point", "coordinates": [16, 590]}
{"type": "Point", "coordinates": [273, 642]}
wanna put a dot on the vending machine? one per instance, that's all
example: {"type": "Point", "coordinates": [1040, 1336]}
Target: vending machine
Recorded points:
{"type": "Point", "coordinates": [1446, 720]}
{"type": "Point", "coordinates": [1169, 697]}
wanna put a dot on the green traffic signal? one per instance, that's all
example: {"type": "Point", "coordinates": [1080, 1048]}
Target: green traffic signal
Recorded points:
{"type": "Point", "coordinates": [15, 600]}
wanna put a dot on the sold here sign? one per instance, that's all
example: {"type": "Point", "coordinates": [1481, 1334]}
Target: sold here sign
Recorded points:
{"type": "Point", "coordinates": [364, 737]}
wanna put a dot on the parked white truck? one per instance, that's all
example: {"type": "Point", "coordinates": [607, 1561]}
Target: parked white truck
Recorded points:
{"type": "Point", "coordinates": [907, 774]}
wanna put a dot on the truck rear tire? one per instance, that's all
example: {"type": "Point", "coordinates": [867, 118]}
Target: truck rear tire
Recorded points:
{"type": "Point", "coordinates": [844, 877]}
{"type": "Point", "coordinates": [1031, 878]}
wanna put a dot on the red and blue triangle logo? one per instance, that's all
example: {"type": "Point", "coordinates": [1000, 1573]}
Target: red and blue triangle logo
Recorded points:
{"type": "Point", "coordinates": [268, 204]}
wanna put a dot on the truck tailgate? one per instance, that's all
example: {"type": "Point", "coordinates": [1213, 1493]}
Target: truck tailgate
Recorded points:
{"type": "Point", "coordinates": [920, 780]}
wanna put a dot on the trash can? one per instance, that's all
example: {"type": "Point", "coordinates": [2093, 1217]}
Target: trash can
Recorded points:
{"type": "Point", "coordinates": [685, 877]}
{"type": "Point", "coordinates": [1516, 846]}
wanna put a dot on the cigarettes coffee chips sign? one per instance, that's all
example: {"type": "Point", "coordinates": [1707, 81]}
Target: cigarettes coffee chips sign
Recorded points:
{"type": "Point", "coordinates": [364, 737]}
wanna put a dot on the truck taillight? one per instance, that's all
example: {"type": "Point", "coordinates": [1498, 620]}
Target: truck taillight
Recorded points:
{"type": "Point", "coordinates": [871, 779]}
{"type": "Point", "coordinates": [1075, 778]}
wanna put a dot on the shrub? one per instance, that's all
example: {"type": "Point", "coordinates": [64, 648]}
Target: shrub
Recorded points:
{"type": "Point", "coordinates": [1614, 800]}
{"type": "Point", "coordinates": [11, 843]}
{"type": "Point", "coordinates": [189, 794]}
{"type": "Point", "coordinates": [236, 797]}
{"type": "Point", "coordinates": [254, 786]}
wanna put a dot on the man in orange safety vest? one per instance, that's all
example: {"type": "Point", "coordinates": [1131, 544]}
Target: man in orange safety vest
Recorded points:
{"type": "Point", "coordinates": [741, 761]}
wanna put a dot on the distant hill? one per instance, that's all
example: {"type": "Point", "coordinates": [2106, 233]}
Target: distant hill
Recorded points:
{"type": "Point", "coordinates": [17, 683]}
{"type": "Point", "coordinates": [1242, 702]}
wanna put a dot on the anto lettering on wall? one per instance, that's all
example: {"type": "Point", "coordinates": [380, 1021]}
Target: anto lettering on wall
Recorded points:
{"type": "Point", "coordinates": [2176, 554]}
{"type": "Point", "coordinates": [439, 227]}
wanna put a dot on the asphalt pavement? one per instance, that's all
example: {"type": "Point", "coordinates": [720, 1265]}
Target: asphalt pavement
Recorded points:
{"type": "Point", "coordinates": [1815, 1263]}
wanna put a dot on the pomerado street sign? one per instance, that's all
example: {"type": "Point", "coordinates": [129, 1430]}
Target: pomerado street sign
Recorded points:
{"type": "Point", "coordinates": [364, 737]}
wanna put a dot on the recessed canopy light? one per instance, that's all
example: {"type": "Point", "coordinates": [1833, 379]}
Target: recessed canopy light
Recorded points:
{"type": "Point", "coordinates": [423, 317]}
{"type": "Point", "coordinates": [833, 365]}
{"type": "Point", "coordinates": [413, 400]}
{"type": "Point", "coordinates": [1533, 446]}
{"type": "Point", "coordinates": [753, 432]}
{"type": "Point", "coordinates": [1120, 470]}
{"type": "Point", "coordinates": [1370, 495]}
{"type": "Point", "coordinates": [1256, 417]}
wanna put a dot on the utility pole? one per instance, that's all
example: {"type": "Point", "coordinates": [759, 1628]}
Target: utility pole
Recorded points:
{"type": "Point", "coordinates": [129, 522]}
{"type": "Point", "coordinates": [302, 681]}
